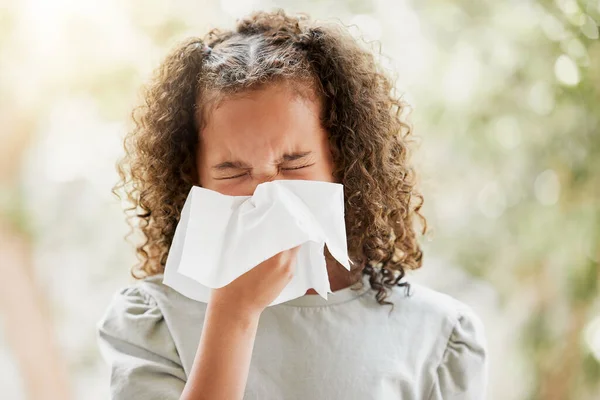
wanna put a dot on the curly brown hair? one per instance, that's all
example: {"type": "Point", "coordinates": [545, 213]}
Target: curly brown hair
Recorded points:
{"type": "Point", "coordinates": [368, 135]}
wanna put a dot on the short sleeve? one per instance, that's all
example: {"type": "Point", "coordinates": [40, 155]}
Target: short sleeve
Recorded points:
{"type": "Point", "coordinates": [135, 342]}
{"type": "Point", "coordinates": [463, 371]}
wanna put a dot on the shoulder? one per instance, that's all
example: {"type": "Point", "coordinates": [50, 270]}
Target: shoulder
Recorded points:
{"type": "Point", "coordinates": [428, 303]}
{"type": "Point", "coordinates": [131, 309]}
{"type": "Point", "coordinates": [457, 334]}
{"type": "Point", "coordinates": [135, 298]}
{"type": "Point", "coordinates": [463, 324]}
{"type": "Point", "coordinates": [127, 304]}
{"type": "Point", "coordinates": [147, 296]}
{"type": "Point", "coordinates": [439, 319]}
{"type": "Point", "coordinates": [136, 342]}
{"type": "Point", "coordinates": [140, 306]}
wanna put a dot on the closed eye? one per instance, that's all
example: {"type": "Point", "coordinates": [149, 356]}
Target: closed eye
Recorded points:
{"type": "Point", "coordinates": [283, 169]}
{"type": "Point", "coordinates": [231, 177]}
{"type": "Point", "coordinates": [299, 167]}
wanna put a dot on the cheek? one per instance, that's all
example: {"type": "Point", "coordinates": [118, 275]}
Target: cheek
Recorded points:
{"type": "Point", "coordinates": [232, 187]}
{"type": "Point", "coordinates": [204, 178]}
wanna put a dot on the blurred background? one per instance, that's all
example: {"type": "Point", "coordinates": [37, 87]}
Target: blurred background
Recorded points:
{"type": "Point", "coordinates": [505, 101]}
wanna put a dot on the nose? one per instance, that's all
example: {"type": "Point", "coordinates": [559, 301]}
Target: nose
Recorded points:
{"type": "Point", "coordinates": [263, 176]}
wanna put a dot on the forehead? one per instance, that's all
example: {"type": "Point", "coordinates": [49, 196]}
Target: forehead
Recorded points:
{"type": "Point", "coordinates": [273, 113]}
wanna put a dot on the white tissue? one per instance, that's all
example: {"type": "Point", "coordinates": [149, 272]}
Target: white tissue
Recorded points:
{"type": "Point", "coordinates": [220, 237]}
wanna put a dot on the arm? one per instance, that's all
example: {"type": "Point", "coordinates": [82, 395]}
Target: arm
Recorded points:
{"type": "Point", "coordinates": [220, 368]}
{"type": "Point", "coordinates": [221, 364]}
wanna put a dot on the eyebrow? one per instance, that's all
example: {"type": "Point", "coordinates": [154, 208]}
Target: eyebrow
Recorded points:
{"type": "Point", "coordinates": [242, 165]}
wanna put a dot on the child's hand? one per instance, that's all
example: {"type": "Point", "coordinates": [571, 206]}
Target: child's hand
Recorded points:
{"type": "Point", "coordinates": [253, 291]}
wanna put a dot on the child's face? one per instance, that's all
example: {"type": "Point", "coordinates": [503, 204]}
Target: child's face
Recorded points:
{"type": "Point", "coordinates": [262, 136]}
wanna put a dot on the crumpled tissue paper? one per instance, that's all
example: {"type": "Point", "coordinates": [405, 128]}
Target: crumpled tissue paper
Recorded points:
{"type": "Point", "coordinates": [220, 237]}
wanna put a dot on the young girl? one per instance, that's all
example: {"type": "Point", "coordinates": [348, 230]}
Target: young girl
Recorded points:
{"type": "Point", "coordinates": [283, 97]}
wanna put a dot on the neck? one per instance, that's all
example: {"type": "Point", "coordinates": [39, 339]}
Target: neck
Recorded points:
{"type": "Point", "coordinates": [339, 276]}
